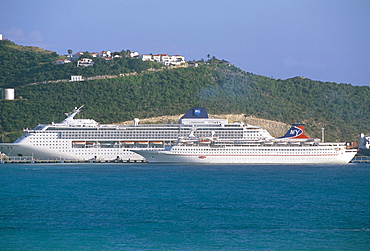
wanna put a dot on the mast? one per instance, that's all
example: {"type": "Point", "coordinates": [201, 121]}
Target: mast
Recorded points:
{"type": "Point", "coordinates": [70, 115]}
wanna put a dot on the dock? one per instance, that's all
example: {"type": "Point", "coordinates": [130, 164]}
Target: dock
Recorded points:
{"type": "Point", "coordinates": [30, 161]}
{"type": "Point", "coordinates": [356, 159]}
{"type": "Point", "coordinates": [361, 159]}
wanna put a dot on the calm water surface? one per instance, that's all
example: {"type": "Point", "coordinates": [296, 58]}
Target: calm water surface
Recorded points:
{"type": "Point", "coordinates": [184, 207]}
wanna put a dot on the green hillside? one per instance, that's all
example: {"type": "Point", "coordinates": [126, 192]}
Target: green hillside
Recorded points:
{"type": "Point", "coordinates": [342, 109]}
{"type": "Point", "coordinates": [21, 65]}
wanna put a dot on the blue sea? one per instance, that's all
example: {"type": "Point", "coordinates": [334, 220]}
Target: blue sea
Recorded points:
{"type": "Point", "coordinates": [184, 207]}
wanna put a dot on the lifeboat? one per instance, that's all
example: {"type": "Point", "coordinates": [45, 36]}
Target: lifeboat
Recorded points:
{"type": "Point", "coordinates": [78, 142]}
{"type": "Point", "coordinates": [202, 157]}
{"type": "Point", "coordinates": [142, 142]}
{"type": "Point", "coordinates": [128, 142]}
{"type": "Point", "coordinates": [204, 141]}
{"type": "Point", "coordinates": [157, 142]}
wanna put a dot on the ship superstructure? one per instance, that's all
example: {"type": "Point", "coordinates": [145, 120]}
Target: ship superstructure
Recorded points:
{"type": "Point", "coordinates": [84, 139]}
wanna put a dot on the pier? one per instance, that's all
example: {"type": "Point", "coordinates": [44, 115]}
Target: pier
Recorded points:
{"type": "Point", "coordinates": [356, 159]}
{"type": "Point", "coordinates": [30, 161]}
{"type": "Point", "coordinates": [361, 159]}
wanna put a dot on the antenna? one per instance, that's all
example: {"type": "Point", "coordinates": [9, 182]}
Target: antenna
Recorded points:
{"type": "Point", "coordinates": [322, 134]}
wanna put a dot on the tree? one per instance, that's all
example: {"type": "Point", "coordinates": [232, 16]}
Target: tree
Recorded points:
{"type": "Point", "coordinates": [128, 52]}
{"type": "Point", "coordinates": [69, 51]}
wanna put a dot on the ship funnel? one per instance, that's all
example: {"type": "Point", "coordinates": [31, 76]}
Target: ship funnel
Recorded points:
{"type": "Point", "coordinates": [295, 132]}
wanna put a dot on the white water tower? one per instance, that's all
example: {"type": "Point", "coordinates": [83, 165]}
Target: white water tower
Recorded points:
{"type": "Point", "coordinates": [8, 94]}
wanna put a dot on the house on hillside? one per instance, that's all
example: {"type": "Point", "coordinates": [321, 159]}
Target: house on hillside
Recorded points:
{"type": "Point", "coordinates": [177, 60]}
{"type": "Point", "coordinates": [105, 54]}
{"type": "Point", "coordinates": [164, 59]}
{"type": "Point", "coordinates": [134, 54]}
{"type": "Point", "coordinates": [161, 58]}
{"type": "Point", "coordinates": [146, 57]}
{"type": "Point", "coordinates": [62, 61]}
{"type": "Point", "coordinates": [76, 78]}
{"type": "Point", "coordinates": [94, 54]}
{"type": "Point", "coordinates": [85, 62]}
{"type": "Point", "coordinates": [75, 56]}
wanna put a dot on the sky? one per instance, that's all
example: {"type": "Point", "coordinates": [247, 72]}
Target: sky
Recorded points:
{"type": "Point", "coordinates": [324, 40]}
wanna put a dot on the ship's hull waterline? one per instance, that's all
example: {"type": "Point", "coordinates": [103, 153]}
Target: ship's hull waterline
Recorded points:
{"type": "Point", "coordinates": [29, 151]}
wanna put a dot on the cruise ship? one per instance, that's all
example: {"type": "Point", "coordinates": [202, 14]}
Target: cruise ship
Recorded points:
{"type": "Point", "coordinates": [86, 139]}
{"type": "Point", "coordinates": [364, 145]}
{"type": "Point", "coordinates": [293, 148]}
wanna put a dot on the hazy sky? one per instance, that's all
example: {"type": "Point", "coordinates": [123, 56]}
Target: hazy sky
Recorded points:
{"type": "Point", "coordinates": [326, 40]}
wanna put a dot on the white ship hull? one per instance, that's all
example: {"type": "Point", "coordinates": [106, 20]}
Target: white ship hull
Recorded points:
{"type": "Point", "coordinates": [29, 151]}
{"type": "Point", "coordinates": [248, 156]}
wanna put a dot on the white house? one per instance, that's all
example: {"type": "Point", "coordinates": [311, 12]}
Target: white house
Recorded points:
{"type": "Point", "coordinates": [105, 54]}
{"type": "Point", "coordinates": [160, 58]}
{"type": "Point", "coordinates": [62, 61]}
{"type": "Point", "coordinates": [134, 54]}
{"type": "Point", "coordinates": [75, 56]}
{"type": "Point", "coordinates": [164, 59]}
{"type": "Point", "coordinates": [177, 60]}
{"type": "Point", "coordinates": [76, 78]}
{"type": "Point", "coordinates": [146, 57]}
{"type": "Point", "coordinates": [85, 62]}
{"type": "Point", "coordinates": [7, 93]}
{"type": "Point", "coordinates": [94, 54]}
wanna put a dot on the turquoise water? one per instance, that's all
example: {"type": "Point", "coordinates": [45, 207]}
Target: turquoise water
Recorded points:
{"type": "Point", "coordinates": [180, 207]}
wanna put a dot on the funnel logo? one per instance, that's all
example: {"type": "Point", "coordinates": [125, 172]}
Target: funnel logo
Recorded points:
{"type": "Point", "coordinates": [295, 132]}
{"type": "Point", "coordinates": [196, 111]}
